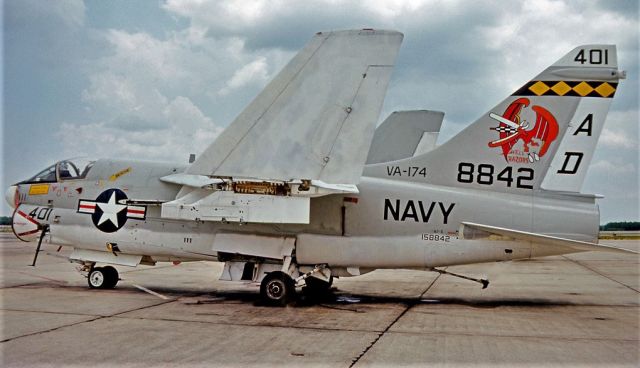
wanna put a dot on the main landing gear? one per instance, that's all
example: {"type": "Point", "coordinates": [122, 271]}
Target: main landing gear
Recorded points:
{"type": "Point", "coordinates": [277, 289]}
{"type": "Point", "coordinates": [102, 277]}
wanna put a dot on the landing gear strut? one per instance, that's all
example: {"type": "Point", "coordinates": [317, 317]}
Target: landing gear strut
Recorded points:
{"type": "Point", "coordinates": [103, 277]}
{"type": "Point", "coordinates": [315, 286]}
{"type": "Point", "coordinates": [277, 288]}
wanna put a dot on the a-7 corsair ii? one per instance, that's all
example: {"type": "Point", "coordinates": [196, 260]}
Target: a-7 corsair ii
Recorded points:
{"type": "Point", "coordinates": [285, 198]}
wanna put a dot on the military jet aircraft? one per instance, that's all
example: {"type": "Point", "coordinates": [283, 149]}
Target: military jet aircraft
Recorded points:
{"type": "Point", "coordinates": [284, 196]}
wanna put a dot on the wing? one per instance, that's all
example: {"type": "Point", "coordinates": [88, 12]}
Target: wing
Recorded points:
{"type": "Point", "coordinates": [315, 119]}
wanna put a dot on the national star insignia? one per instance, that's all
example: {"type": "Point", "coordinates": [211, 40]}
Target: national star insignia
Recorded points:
{"type": "Point", "coordinates": [110, 210]}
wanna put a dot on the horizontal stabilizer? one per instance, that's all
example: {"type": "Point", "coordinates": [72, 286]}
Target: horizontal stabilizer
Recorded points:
{"type": "Point", "coordinates": [315, 119]}
{"type": "Point", "coordinates": [403, 133]}
{"type": "Point", "coordinates": [468, 230]}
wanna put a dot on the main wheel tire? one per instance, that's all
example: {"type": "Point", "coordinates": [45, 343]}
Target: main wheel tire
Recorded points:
{"type": "Point", "coordinates": [97, 278]}
{"type": "Point", "coordinates": [277, 288]}
{"type": "Point", "coordinates": [315, 286]}
{"type": "Point", "coordinates": [112, 277]}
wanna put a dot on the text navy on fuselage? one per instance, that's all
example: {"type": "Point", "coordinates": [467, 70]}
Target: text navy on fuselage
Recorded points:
{"type": "Point", "coordinates": [415, 210]}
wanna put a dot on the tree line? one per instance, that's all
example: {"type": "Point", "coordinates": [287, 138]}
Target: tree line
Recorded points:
{"type": "Point", "coordinates": [621, 226]}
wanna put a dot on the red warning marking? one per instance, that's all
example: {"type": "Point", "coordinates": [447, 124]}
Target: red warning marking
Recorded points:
{"type": "Point", "coordinates": [28, 232]}
{"type": "Point", "coordinates": [351, 199]}
{"type": "Point", "coordinates": [28, 218]}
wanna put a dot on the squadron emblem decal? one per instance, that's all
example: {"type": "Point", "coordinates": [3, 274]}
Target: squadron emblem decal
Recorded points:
{"type": "Point", "coordinates": [513, 129]}
{"type": "Point", "coordinates": [109, 212]}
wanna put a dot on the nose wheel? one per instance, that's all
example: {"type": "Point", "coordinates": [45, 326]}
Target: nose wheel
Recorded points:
{"type": "Point", "coordinates": [277, 289]}
{"type": "Point", "coordinates": [103, 277]}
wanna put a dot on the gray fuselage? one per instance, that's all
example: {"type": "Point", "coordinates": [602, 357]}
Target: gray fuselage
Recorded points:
{"type": "Point", "coordinates": [385, 208]}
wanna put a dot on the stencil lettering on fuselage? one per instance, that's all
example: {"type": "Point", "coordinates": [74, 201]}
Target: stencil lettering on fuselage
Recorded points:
{"type": "Point", "coordinates": [417, 211]}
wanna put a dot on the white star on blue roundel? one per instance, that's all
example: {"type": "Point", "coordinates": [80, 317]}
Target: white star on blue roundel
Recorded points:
{"type": "Point", "coordinates": [110, 215]}
{"type": "Point", "coordinates": [110, 210]}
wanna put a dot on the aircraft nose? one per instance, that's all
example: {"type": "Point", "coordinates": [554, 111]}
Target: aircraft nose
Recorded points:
{"type": "Point", "coordinates": [10, 196]}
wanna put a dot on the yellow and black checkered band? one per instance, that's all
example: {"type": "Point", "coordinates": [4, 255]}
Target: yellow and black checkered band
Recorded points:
{"type": "Point", "coordinates": [568, 88]}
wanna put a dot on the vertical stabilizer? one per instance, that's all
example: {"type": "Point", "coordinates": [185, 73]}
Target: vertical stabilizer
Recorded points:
{"type": "Point", "coordinates": [541, 137]}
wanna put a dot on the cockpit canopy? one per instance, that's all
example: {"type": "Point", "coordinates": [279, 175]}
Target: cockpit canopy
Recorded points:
{"type": "Point", "coordinates": [71, 169]}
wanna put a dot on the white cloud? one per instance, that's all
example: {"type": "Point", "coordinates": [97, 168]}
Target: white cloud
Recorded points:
{"type": "Point", "coordinates": [118, 95]}
{"type": "Point", "coordinates": [245, 15]}
{"type": "Point", "coordinates": [543, 31]}
{"type": "Point", "coordinates": [187, 130]}
{"type": "Point", "coordinates": [617, 139]}
{"type": "Point", "coordinates": [397, 8]}
{"type": "Point", "coordinates": [249, 10]}
{"type": "Point", "coordinates": [621, 131]}
{"type": "Point", "coordinates": [70, 12]}
{"type": "Point", "coordinates": [232, 15]}
{"type": "Point", "coordinates": [254, 72]}
{"type": "Point", "coordinates": [142, 95]}
{"type": "Point", "coordinates": [612, 168]}
{"type": "Point", "coordinates": [182, 113]}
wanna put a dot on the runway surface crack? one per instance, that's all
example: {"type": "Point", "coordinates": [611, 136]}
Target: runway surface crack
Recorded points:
{"type": "Point", "coordinates": [408, 307]}
{"type": "Point", "coordinates": [600, 273]}
{"type": "Point", "coordinates": [81, 322]}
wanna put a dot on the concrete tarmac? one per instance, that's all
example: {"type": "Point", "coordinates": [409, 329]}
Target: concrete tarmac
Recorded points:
{"type": "Point", "coordinates": [580, 309]}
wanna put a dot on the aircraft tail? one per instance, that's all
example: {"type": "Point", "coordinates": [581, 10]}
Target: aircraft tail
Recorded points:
{"type": "Point", "coordinates": [540, 137]}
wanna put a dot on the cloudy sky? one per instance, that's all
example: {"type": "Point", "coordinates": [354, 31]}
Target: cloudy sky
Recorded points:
{"type": "Point", "coordinates": [159, 79]}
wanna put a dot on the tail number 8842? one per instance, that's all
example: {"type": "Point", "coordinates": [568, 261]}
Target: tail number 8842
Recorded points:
{"type": "Point", "coordinates": [485, 174]}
